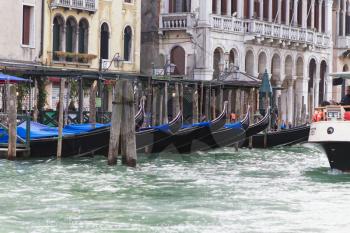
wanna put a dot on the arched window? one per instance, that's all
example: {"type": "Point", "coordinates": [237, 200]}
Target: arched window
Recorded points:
{"type": "Point", "coordinates": [71, 33]}
{"type": "Point", "coordinates": [127, 43]}
{"type": "Point", "coordinates": [58, 25]}
{"type": "Point", "coordinates": [104, 44]}
{"type": "Point", "coordinates": [177, 57]}
{"type": "Point", "coordinates": [83, 36]}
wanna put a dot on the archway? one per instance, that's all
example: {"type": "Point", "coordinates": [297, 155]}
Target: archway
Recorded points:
{"type": "Point", "coordinates": [127, 43]}
{"type": "Point", "coordinates": [275, 69]}
{"type": "Point", "coordinates": [177, 57]}
{"type": "Point", "coordinates": [233, 57]}
{"type": "Point", "coordinates": [83, 36]}
{"type": "Point", "coordinates": [311, 85]}
{"type": "Point", "coordinates": [58, 33]}
{"type": "Point", "coordinates": [218, 58]}
{"type": "Point", "coordinates": [322, 85]}
{"type": "Point", "coordinates": [104, 46]}
{"type": "Point", "coordinates": [71, 35]}
{"type": "Point", "coordinates": [343, 86]}
{"type": "Point", "coordinates": [288, 67]}
{"type": "Point", "coordinates": [262, 62]}
{"type": "Point", "coordinates": [300, 67]}
{"type": "Point", "coordinates": [249, 63]}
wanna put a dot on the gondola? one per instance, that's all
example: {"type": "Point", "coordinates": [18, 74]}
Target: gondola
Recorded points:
{"type": "Point", "coordinates": [96, 141]}
{"type": "Point", "coordinates": [283, 137]}
{"type": "Point", "coordinates": [255, 129]}
{"type": "Point", "coordinates": [77, 140]}
{"type": "Point", "coordinates": [139, 117]}
{"type": "Point", "coordinates": [149, 136]}
{"type": "Point", "coordinates": [224, 137]}
{"type": "Point", "coordinates": [184, 141]}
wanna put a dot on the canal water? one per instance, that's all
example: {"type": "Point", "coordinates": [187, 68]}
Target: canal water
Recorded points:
{"type": "Point", "coordinates": [281, 190]}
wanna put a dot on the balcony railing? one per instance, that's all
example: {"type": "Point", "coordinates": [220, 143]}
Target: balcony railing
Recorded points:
{"type": "Point", "coordinates": [343, 42]}
{"type": "Point", "coordinates": [270, 30]}
{"type": "Point", "coordinates": [87, 5]}
{"type": "Point", "coordinates": [176, 21]}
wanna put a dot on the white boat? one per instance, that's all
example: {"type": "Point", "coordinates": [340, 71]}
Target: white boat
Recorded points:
{"type": "Point", "coordinates": [332, 132]}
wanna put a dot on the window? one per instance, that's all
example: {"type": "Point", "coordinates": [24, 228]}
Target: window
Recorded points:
{"type": "Point", "coordinates": [27, 26]}
{"type": "Point", "coordinates": [58, 31]}
{"type": "Point", "coordinates": [127, 43]}
{"type": "Point", "coordinates": [83, 36]}
{"type": "Point", "coordinates": [128, 1]}
{"type": "Point", "coordinates": [104, 44]}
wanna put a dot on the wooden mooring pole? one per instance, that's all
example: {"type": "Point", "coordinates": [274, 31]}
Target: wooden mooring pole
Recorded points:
{"type": "Point", "coordinates": [93, 92]}
{"type": "Point", "coordinates": [128, 137]}
{"type": "Point", "coordinates": [60, 119]}
{"type": "Point", "coordinates": [195, 104]}
{"type": "Point", "coordinates": [123, 111]}
{"type": "Point", "coordinates": [12, 119]}
{"type": "Point", "coordinates": [117, 109]}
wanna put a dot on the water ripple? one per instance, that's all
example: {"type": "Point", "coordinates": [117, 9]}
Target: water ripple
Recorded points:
{"type": "Point", "coordinates": [281, 190]}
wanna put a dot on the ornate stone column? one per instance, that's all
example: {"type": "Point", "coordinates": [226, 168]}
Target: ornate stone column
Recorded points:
{"type": "Point", "coordinates": [312, 12]}
{"type": "Point", "coordinates": [287, 12]}
{"type": "Point", "coordinates": [304, 13]}
{"type": "Point", "coordinates": [165, 7]}
{"type": "Point", "coordinates": [295, 12]}
{"type": "Point", "coordinates": [239, 8]}
{"type": "Point", "coordinates": [270, 10]}
{"type": "Point", "coordinates": [251, 9]}
{"type": "Point", "coordinates": [328, 20]}
{"type": "Point", "coordinates": [229, 8]}
{"type": "Point", "coordinates": [205, 11]}
{"type": "Point", "coordinates": [261, 9]}
{"type": "Point", "coordinates": [320, 15]}
{"type": "Point", "coordinates": [279, 11]}
{"type": "Point", "coordinates": [317, 85]}
{"type": "Point", "coordinates": [63, 42]}
{"type": "Point", "coordinates": [344, 17]}
{"type": "Point", "coordinates": [290, 103]}
{"type": "Point", "coordinates": [218, 7]}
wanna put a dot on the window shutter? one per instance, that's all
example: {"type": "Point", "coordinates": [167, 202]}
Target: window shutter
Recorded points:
{"type": "Point", "coordinates": [26, 25]}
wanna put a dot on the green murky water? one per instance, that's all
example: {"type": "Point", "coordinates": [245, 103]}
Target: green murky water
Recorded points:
{"type": "Point", "coordinates": [280, 190]}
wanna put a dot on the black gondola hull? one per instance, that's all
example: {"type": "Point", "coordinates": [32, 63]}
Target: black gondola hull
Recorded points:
{"type": "Point", "coordinates": [280, 138]}
{"type": "Point", "coordinates": [82, 144]}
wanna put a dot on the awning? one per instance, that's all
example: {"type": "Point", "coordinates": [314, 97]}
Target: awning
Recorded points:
{"type": "Point", "coordinates": [11, 79]}
{"type": "Point", "coordinates": [338, 78]}
{"type": "Point", "coordinates": [345, 75]}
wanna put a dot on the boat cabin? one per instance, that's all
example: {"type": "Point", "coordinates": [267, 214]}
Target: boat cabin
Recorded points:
{"type": "Point", "coordinates": [332, 113]}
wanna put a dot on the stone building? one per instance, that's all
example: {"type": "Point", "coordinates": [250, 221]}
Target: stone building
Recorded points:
{"type": "Point", "coordinates": [291, 39]}
{"type": "Point", "coordinates": [91, 35]}
{"type": "Point", "coordinates": [341, 42]}
{"type": "Point", "coordinates": [20, 39]}
{"type": "Point", "coordinates": [54, 38]}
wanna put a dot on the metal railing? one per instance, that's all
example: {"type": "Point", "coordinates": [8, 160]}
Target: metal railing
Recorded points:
{"type": "Point", "coordinates": [88, 5]}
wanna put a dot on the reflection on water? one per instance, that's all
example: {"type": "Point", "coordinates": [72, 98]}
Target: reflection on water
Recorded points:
{"type": "Point", "coordinates": [281, 190]}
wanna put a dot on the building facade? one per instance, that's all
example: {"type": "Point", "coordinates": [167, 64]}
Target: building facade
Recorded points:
{"type": "Point", "coordinates": [341, 42]}
{"type": "Point", "coordinates": [291, 39]}
{"type": "Point", "coordinates": [92, 34]}
{"type": "Point", "coordinates": [20, 40]}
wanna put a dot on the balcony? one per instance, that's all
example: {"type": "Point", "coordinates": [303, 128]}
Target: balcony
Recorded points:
{"type": "Point", "coordinates": [83, 5]}
{"type": "Point", "coordinates": [176, 22]}
{"type": "Point", "coordinates": [342, 42]}
{"type": "Point", "coordinates": [260, 31]}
